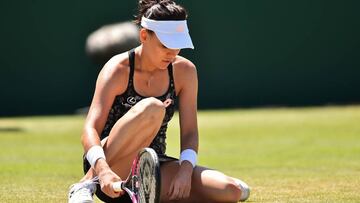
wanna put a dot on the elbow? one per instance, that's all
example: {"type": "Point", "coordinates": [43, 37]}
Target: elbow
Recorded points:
{"type": "Point", "coordinates": [87, 136]}
{"type": "Point", "coordinates": [83, 137]}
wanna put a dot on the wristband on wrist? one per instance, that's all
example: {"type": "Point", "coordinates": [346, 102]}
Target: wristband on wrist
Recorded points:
{"type": "Point", "coordinates": [94, 153]}
{"type": "Point", "coordinates": [189, 155]}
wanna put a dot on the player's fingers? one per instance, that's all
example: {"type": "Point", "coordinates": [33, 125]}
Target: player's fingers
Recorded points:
{"type": "Point", "coordinates": [175, 193]}
{"type": "Point", "coordinates": [119, 193]}
{"type": "Point", "coordinates": [115, 186]}
{"type": "Point", "coordinates": [181, 191]}
{"type": "Point", "coordinates": [113, 193]}
{"type": "Point", "coordinates": [109, 191]}
{"type": "Point", "coordinates": [184, 192]}
{"type": "Point", "coordinates": [167, 102]}
{"type": "Point", "coordinates": [116, 194]}
{"type": "Point", "coordinates": [171, 189]}
{"type": "Point", "coordinates": [187, 192]}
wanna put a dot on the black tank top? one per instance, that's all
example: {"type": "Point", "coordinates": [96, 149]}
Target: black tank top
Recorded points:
{"type": "Point", "coordinates": [122, 104]}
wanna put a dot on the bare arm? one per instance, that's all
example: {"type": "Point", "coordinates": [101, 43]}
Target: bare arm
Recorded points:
{"type": "Point", "coordinates": [108, 85]}
{"type": "Point", "coordinates": [187, 80]}
{"type": "Point", "coordinates": [188, 110]}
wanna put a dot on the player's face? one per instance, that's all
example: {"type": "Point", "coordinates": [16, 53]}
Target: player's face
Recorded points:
{"type": "Point", "coordinates": [160, 55]}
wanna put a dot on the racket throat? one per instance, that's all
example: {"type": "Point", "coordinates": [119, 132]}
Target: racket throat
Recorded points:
{"type": "Point", "coordinates": [135, 185]}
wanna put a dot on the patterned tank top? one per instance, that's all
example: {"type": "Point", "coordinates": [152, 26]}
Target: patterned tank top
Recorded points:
{"type": "Point", "coordinates": [122, 104]}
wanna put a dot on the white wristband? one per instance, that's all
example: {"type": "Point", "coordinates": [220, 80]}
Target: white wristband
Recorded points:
{"type": "Point", "coordinates": [188, 155]}
{"type": "Point", "coordinates": [94, 153]}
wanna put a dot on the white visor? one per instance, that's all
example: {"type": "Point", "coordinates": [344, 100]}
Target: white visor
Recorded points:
{"type": "Point", "coordinates": [174, 34]}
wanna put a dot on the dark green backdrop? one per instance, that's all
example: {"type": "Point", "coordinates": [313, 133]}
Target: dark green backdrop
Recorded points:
{"type": "Point", "coordinates": [248, 53]}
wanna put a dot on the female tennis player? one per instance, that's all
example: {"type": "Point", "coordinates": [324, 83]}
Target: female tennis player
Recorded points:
{"type": "Point", "coordinates": [135, 97]}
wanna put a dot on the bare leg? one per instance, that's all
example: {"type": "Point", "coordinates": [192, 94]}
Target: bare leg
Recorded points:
{"type": "Point", "coordinates": [207, 185]}
{"type": "Point", "coordinates": [132, 132]}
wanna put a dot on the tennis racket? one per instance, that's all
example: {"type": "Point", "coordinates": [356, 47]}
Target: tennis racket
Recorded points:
{"type": "Point", "coordinates": [143, 182]}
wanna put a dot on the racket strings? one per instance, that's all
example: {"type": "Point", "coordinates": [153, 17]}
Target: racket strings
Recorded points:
{"type": "Point", "coordinates": [147, 178]}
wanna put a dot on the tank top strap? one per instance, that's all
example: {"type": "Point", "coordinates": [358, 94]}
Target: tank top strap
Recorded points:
{"type": "Point", "coordinates": [132, 67]}
{"type": "Point", "coordinates": [170, 71]}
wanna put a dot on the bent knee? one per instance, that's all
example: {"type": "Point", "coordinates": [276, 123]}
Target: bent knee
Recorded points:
{"type": "Point", "coordinates": [151, 109]}
{"type": "Point", "coordinates": [154, 107]}
{"type": "Point", "coordinates": [233, 192]}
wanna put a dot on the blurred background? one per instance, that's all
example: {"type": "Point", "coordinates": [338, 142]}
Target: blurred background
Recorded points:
{"type": "Point", "coordinates": [248, 53]}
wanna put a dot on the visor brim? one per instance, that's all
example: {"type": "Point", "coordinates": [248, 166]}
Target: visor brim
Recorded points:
{"type": "Point", "coordinates": [175, 40]}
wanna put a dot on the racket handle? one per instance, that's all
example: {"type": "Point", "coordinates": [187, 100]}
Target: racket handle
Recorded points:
{"type": "Point", "coordinates": [118, 186]}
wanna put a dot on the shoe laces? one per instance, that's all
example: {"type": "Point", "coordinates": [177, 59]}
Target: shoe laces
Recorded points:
{"type": "Point", "coordinates": [83, 188]}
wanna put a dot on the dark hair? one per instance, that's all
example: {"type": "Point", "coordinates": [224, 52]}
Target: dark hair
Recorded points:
{"type": "Point", "coordinates": [160, 10]}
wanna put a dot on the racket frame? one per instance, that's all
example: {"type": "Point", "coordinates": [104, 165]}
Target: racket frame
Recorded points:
{"type": "Point", "coordinates": [132, 181]}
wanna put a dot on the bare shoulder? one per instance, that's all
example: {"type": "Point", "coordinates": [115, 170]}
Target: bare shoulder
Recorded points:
{"type": "Point", "coordinates": [115, 72]}
{"type": "Point", "coordinates": [116, 66]}
{"type": "Point", "coordinates": [185, 73]}
{"type": "Point", "coordinates": [183, 64]}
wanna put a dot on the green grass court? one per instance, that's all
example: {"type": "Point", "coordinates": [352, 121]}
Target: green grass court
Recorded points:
{"type": "Point", "coordinates": [284, 154]}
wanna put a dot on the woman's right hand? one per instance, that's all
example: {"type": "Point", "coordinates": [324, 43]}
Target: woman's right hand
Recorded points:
{"type": "Point", "coordinates": [107, 178]}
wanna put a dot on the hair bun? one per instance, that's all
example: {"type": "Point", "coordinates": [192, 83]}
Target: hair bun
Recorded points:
{"type": "Point", "coordinates": [149, 3]}
{"type": "Point", "coordinates": [160, 10]}
{"type": "Point", "coordinates": [166, 2]}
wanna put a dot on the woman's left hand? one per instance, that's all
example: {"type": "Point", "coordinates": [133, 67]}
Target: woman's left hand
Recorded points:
{"type": "Point", "coordinates": [180, 186]}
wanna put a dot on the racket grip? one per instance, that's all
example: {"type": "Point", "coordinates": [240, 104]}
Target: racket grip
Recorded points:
{"type": "Point", "coordinates": [118, 186]}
